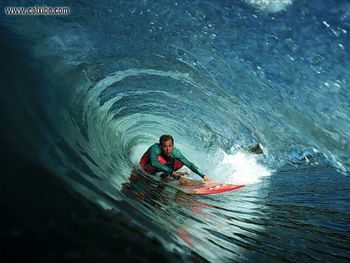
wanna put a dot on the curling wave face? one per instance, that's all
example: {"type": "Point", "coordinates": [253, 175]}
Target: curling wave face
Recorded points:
{"type": "Point", "coordinates": [225, 86]}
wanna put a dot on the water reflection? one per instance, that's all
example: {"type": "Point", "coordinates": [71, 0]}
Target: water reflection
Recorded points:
{"type": "Point", "coordinates": [217, 227]}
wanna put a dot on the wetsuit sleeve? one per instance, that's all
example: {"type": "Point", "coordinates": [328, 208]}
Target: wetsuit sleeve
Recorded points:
{"type": "Point", "coordinates": [154, 151]}
{"type": "Point", "coordinates": [178, 155]}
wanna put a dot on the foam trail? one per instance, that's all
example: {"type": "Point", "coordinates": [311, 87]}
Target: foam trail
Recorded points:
{"type": "Point", "coordinates": [271, 6]}
{"type": "Point", "coordinates": [240, 168]}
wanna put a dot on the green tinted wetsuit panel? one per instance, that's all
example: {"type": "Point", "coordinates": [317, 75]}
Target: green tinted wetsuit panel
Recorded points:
{"type": "Point", "coordinates": [155, 150]}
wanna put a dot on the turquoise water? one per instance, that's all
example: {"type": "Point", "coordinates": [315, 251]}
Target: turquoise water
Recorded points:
{"type": "Point", "coordinates": [107, 80]}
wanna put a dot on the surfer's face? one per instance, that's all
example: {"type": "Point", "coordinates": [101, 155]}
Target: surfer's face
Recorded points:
{"type": "Point", "coordinates": [167, 147]}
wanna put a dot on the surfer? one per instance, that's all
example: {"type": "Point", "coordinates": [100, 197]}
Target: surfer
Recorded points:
{"type": "Point", "coordinates": [164, 157]}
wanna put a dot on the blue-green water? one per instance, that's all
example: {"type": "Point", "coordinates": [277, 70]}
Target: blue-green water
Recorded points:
{"type": "Point", "coordinates": [107, 80]}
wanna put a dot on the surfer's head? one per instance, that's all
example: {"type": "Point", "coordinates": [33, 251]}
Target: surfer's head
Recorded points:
{"type": "Point", "coordinates": [166, 143]}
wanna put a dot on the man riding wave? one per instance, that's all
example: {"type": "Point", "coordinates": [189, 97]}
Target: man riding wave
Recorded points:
{"type": "Point", "coordinates": [164, 157]}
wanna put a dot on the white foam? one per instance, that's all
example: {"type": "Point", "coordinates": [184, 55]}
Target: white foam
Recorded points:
{"type": "Point", "coordinates": [272, 6]}
{"type": "Point", "coordinates": [239, 168]}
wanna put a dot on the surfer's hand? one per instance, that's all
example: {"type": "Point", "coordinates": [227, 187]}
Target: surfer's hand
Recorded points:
{"type": "Point", "coordinates": [206, 179]}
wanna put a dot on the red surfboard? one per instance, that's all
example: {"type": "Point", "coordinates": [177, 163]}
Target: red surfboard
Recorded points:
{"type": "Point", "coordinates": [207, 188]}
{"type": "Point", "coordinates": [215, 188]}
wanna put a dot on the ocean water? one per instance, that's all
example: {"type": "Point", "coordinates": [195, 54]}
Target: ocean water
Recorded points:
{"type": "Point", "coordinates": [85, 94]}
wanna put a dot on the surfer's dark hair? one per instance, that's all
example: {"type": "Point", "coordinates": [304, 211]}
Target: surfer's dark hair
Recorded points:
{"type": "Point", "coordinates": [166, 137]}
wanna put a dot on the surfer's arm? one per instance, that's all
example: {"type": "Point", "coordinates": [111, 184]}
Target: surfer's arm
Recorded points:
{"type": "Point", "coordinates": [154, 151]}
{"type": "Point", "coordinates": [178, 155]}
